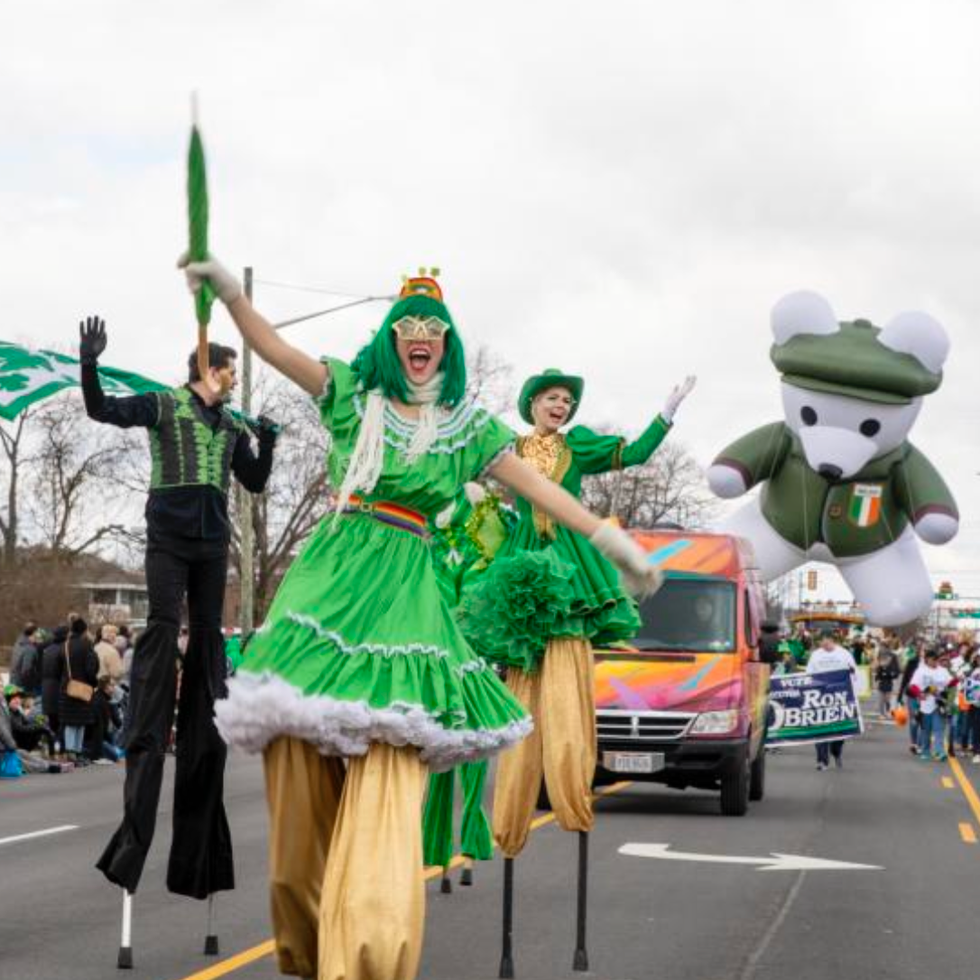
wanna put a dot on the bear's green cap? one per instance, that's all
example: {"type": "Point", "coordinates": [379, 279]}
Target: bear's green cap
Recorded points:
{"type": "Point", "coordinates": [854, 363]}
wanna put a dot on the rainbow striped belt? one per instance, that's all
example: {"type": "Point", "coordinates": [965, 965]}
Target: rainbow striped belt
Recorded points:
{"type": "Point", "coordinates": [394, 515]}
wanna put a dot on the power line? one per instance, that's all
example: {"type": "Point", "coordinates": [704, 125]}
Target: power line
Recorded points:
{"type": "Point", "coordinates": [299, 287]}
{"type": "Point", "coordinates": [334, 309]}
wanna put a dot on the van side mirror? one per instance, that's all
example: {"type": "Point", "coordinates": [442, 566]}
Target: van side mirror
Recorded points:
{"type": "Point", "coordinates": [769, 649]}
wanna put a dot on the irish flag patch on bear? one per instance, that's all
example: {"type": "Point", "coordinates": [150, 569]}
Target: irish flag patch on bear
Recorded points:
{"type": "Point", "coordinates": [865, 506]}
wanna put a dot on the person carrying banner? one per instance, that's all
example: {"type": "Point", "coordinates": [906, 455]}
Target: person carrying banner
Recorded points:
{"type": "Point", "coordinates": [829, 655]}
{"type": "Point", "coordinates": [360, 657]}
{"type": "Point", "coordinates": [196, 445]}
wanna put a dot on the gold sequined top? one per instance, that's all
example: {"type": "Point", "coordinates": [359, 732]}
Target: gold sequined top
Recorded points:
{"type": "Point", "coordinates": [551, 457]}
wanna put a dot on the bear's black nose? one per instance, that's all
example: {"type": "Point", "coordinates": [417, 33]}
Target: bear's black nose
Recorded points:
{"type": "Point", "coordinates": [829, 471]}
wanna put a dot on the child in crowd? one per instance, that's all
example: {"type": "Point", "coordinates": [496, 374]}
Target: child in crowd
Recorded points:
{"type": "Point", "coordinates": [928, 685]}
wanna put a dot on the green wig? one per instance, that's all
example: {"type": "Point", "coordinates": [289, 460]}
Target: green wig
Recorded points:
{"type": "Point", "coordinates": [377, 364]}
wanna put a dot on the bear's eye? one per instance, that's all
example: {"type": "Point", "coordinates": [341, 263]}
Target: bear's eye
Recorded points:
{"type": "Point", "coordinates": [808, 415]}
{"type": "Point", "coordinates": [870, 427]}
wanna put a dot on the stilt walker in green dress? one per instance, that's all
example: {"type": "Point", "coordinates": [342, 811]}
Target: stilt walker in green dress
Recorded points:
{"type": "Point", "coordinates": [360, 657]}
{"type": "Point", "coordinates": [544, 633]}
{"type": "Point", "coordinates": [464, 540]}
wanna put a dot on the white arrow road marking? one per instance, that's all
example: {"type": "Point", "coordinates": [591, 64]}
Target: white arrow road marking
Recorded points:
{"type": "Point", "coordinates": [38, 833]}
{"type": "Point", "coordinates": [775, 862]}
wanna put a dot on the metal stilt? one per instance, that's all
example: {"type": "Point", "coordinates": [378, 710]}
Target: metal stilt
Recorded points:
{"type": "Point", "coordinates": [211, 939]}
{"type": "Point", "coordinates": [507, 954]}
{"type": "Point", "coordinates": [580, 961]}
{"type": "Point", "coordinates": [124, 961]}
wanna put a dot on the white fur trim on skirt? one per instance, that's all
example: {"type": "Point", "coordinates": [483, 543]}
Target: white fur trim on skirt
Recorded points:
{"type": "Point", "coordinates": [261, 708]}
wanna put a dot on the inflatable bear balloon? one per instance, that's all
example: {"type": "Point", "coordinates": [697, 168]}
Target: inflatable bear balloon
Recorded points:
{"type": "Point", "coordinates": [840, 481]}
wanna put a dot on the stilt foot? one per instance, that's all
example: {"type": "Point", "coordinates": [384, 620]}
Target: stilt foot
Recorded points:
{"type": "Point", "coordinates": [125, 959]}
{"type": "Point", "coordinates": [211, 945]}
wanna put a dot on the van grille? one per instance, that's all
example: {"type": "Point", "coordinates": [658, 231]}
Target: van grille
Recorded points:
{"type": "Point", "coordinates": [643, 727]}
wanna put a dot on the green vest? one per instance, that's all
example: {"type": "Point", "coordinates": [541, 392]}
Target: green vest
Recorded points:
{"type": "Point", "coordinates": [185, 450]}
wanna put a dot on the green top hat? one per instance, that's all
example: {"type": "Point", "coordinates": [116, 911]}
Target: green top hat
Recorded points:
{"type": "Point", "coordinates": [549, 378]}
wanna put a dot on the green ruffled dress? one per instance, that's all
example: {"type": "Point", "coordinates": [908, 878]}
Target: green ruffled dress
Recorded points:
{"type": "Point", "coordinates": [359, 644]}
{"type": "Point", "coordinates": [547, 581]}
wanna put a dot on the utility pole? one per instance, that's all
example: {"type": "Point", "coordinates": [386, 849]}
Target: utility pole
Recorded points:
{"type": "Point", "coordinates": [247, 564]}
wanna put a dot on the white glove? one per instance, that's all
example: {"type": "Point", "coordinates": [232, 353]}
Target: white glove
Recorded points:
{"type": "Point", "coordinates": [936, 528]}
{"type": "Point", "coordinates": [678, 395]}
{"type": "Point", "coordinates": [725, 481]}
{"type": "Point", "coordinates": [474, 493]}
{"type": "Point", "coordinates": [226, 287]}
{"type": "Point", "coordinates": [640, 577]}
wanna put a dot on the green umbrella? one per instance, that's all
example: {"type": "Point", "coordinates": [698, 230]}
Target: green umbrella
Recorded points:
{"type": "Point", "coordinates": [197, 214]}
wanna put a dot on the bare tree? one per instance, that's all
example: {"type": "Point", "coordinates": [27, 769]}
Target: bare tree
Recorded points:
{"type": "Point", "coordinates": [13, 439]}
{"type": "Point", "coordinates": [670, 487]}
{"type": "Point", "coordinates": [489, 380]}
{"type": "Point", "coordinates": [296, 496]}
{"type": "Point", "coordinates": [71, 486]}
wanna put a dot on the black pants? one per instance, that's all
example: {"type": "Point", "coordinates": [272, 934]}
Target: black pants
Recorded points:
{"type": "Point", "coordinates": [200, 852]}
{"type": "Point", "coordinates": [827, 749]}
{"type": "Point", "coordinates": [973, 727]}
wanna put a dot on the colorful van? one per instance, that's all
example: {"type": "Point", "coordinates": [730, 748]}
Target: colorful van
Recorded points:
{"type": "Point", "coordinates": [686, 703]}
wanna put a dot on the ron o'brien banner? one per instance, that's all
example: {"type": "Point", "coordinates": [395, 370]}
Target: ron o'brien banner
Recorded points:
{"type": "Point", "coordinates": [810, 708]}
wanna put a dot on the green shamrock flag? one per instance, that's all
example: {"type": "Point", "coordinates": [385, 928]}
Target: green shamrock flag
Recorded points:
{"type": "Point", "coordinates": [29, 376]}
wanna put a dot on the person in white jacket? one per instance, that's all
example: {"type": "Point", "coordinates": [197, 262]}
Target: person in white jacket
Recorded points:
{"type": "Point", "coordinates": [830, 656]}
{"type": "Point", "coordinates": [928, 683]}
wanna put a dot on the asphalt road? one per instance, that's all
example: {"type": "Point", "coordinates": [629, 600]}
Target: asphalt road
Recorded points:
{"type": "Point", "coordinates": [649, 918]}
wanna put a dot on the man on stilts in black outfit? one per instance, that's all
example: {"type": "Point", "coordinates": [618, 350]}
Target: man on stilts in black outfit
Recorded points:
{"type": "Point", "coordinates": [196, 444]}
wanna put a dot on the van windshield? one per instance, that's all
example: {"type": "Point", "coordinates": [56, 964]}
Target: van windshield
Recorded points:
{"type": "Point", "coordinates": [689, 614]}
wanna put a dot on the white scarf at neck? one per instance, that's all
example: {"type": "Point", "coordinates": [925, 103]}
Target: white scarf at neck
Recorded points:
{"type": "Point", "coordinates": [367, 460]}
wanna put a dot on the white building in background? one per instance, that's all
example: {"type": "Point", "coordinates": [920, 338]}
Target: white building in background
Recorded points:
{"type": "Point", "coordinates": [115, 602]}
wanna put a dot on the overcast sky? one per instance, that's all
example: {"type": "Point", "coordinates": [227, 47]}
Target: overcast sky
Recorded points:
{"type": "Point", "coordinates": [619, 190]}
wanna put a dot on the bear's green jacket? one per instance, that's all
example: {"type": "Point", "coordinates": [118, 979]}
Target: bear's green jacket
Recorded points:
{"type": "Point", "coordinates": [854, 516]}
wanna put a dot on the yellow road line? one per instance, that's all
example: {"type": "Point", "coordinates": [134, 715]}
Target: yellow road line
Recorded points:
{"type": "Point", "coordinates": [235, 962]}
{"type": "Point", "coordinates": [968, 791]}
{"type": "Point", "coordinates": [948, 782]}
{"type": "Point", "coordinates": [267, 948]}
{"type": "Point", "coordinates": [967, 833]}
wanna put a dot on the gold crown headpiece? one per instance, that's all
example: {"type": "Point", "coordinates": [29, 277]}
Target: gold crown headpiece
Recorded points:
{"type": "Point", "coordinates": [424, 284]}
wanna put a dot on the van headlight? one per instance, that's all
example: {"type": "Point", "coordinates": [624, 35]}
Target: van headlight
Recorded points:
{"type": "Point", "coordinates": [715, 722]}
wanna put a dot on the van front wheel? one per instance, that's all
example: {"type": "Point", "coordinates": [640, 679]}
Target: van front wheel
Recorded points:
{"type": "Point", "coordinates": [735, 790]}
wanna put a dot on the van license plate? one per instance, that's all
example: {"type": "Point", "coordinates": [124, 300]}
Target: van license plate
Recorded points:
{"type": "Point", "coordinates": [639, 762]}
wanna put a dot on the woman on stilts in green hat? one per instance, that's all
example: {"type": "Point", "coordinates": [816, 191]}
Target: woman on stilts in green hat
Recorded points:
{"type": "Point", "coordinates": [547, 598]}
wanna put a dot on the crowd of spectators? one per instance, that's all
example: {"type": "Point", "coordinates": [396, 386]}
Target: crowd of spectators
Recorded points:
{"type": "Point", "coordinates": [932, 685]}
{"type": "Point", "coordinates": [64, 705]}
{"type": "Point", "coordinates": [940, 694]}
{"type": "Point", "coordinates": [44, 725]}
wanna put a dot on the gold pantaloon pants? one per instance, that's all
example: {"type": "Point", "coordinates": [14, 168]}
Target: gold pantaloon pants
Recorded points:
{"type": "Point", "coordinates": [345, 861]}
{"type": "Point", "coordinates": [562, 748]}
